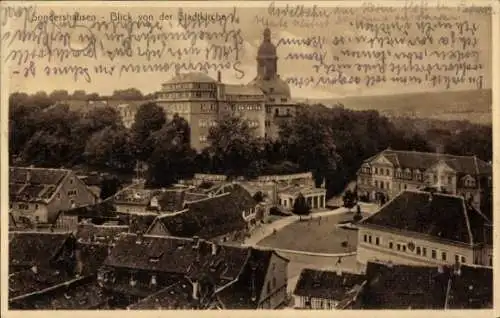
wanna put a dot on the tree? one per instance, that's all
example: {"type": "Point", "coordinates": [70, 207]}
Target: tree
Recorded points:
{"type": "Point", "coordinates": [258, 197]}
{"type": "Point", "coordinates": [109, 187]}
{"type": "Point", "coordinates": [300, 206]}
{"type": "Point", "coordinates": [171, 157]}
{"type": "Point", "coordinates": [127, 94]}
{"type": "Point", "coordinates": [357, 217]}
{"type": "Point", "coordinates": [79, 95]}
{"type": "Point", "coordinates": [110, 148]}
{"type": "Point", "coordinates": [59, 95]}
{"type": "Point", "coordinates": [52, 145]}
{"type": "Point", "coordinates": [149, 118]}
{"type": "Point", "coordinates": [21, 127]}
{"type": "Point", "coordinates": [349, 199]}
{"type": "Point", "coordinates": [309, 140]}
{"type": "Point", "coordinates": [233, 148]}
{"type": "Point", "coordinates": [92, 122]}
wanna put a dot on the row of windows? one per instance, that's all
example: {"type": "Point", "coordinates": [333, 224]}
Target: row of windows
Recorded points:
{"type": "Point", "coordinates": [203, 138]}
{"type": "Point", "coordinates": [244, 97]}
{"type": "Point", "coordinates": [186, 95]}
{"type": "Point", "coordinates": [248, 107]}
{"type": "Point", "coordinates": [381, 184]}
{"type": "Point", "coordinates": [179, 108]}
{"type": "Point", "coordinates": [253, 123]}
{"type": "Point", "coordinates": [207, 123]}
{"type": "Point", "coordinates": [276, 110]}
{"type": "Point", "coordinates": [72, 193]}
{"type": "Point", "coordinates": [317, 303]}
{"type": "Point", "coordinates": [418, 250]}
{"type": "Point", "coordinates": [208, 107]}
{"type": "Point", "coordinates": [189, 86]}
{"type": "Point", "coordinates": [283, 99]}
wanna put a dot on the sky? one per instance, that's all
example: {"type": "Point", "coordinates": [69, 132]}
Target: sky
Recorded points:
{"type": "Point", "coordinates": [252, 21]}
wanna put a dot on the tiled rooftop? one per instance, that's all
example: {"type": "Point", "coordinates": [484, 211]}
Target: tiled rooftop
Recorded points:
{"type": "Point", "coordinates": [34, 184]}
{"type": "Point", "coordinates": [176, 256]}
{"type": "Point", "coordinates": [35, 248]}
{"type": "Point", "coordinates": [327, 284]}
{"type": "Point", "coordinates": [425, 160]}
{"type": "Point", "coordinates": [442, 216]}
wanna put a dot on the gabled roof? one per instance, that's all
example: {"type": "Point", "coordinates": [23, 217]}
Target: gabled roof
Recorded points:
{"type": "Point", "coordinates": [172, 200]}
{"type": "Point", "coordinates": [245, 293]}
{"type": "Point", "coordinates": [208, 218]}
{"type": "Point", "coordinates": [35, 248]}
{"type": "Point", "coordinates": [422, 287]}
{"type": "Point", "coordinates": [326, 284]}
{"type": "Point", "coordinates": [425, 160]}
{"type": "Point", "coordinates": [438, 215]}
{"type": "Point", "coordinates": [404, 287]}
{"type": "Point", "coordinates": [176, 296]}
{"type": "Point", "coordinates": [34, 184]}
{"type": "Point", "coordinates": [75, 297]}
{"type": "Point", "coordinates": [27, 281]}
{"type": "Point", "coordinates": [177, 256]}
{"type": "Point", "coordinates": [92, 257]}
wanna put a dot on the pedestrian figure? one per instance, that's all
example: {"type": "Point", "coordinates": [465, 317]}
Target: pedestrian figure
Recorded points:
{"type": "Point", "coordinates": [339, 260]}
{"type": "Point", "coordinates": [319, 220]}
{"type": "Point", "coordinates": [274, 231]}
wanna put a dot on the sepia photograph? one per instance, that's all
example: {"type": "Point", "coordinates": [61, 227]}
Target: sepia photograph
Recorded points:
{"type": "Point", "coordinates": [247, 155]}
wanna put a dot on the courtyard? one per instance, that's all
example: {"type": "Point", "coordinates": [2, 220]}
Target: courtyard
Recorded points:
{"type": "Point", "coordinates": [318, 235]}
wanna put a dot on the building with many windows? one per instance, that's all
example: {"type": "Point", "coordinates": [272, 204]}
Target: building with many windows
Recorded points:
{"type": "Point", "coordinates": [202, 100]}
{"type": "Point", "coordinates": [386, 174]}
{"type": "Point", "coordinates": [425, 228]}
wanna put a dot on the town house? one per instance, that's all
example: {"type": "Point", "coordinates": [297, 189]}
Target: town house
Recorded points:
{"type": "Point", "coordinates": [222, 217]}
{"type": "Point", "coordinates": [37, 195]}
{"type": "Point", "coordinates": [317, 289]}
{"type": "Point", "coordinates": [386, 174]}
{"type": "Point", "coordinates": [154, 272]}
{"type": "Point", "coordinates": [426, 228]}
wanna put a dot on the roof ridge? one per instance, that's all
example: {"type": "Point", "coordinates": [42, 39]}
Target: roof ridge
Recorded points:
{"type": "Point", "coordinates": [41, 168]}
{"type": "Point", "coordinates": [467, 222]}
{"type": "Point", "coordinates": [164, 215]}
{"type": "Point", "coordinates": [430, 153]}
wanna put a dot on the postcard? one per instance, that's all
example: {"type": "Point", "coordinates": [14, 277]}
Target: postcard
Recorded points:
{"type": "Point", "coordinates": [256, 155]}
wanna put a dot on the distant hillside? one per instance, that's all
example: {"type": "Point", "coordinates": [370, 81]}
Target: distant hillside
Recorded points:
{"type": "Point", "coordinates": [473, 105]}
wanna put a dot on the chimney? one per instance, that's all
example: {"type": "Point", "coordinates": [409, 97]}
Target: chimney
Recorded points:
{"type": "Point", "coordinates": [214, 249]}
{"type": "Point", "coordinates": [195, 289]}
{"type": "Point", "coordinates": [219, 76]}
{"type": "Point", "coordinates": [139, 237]}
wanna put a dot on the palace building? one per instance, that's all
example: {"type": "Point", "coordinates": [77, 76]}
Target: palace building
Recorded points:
{"type": "Point", "coordinates": [390, 172]}
{"type": "Point", "coordinates": [202, 100]}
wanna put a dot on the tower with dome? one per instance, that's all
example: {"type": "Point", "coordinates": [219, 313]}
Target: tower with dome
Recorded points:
{"type": "Point", "coordinates": [278, 103]}
{"type": "Point", "coordinates": [202, 100]}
